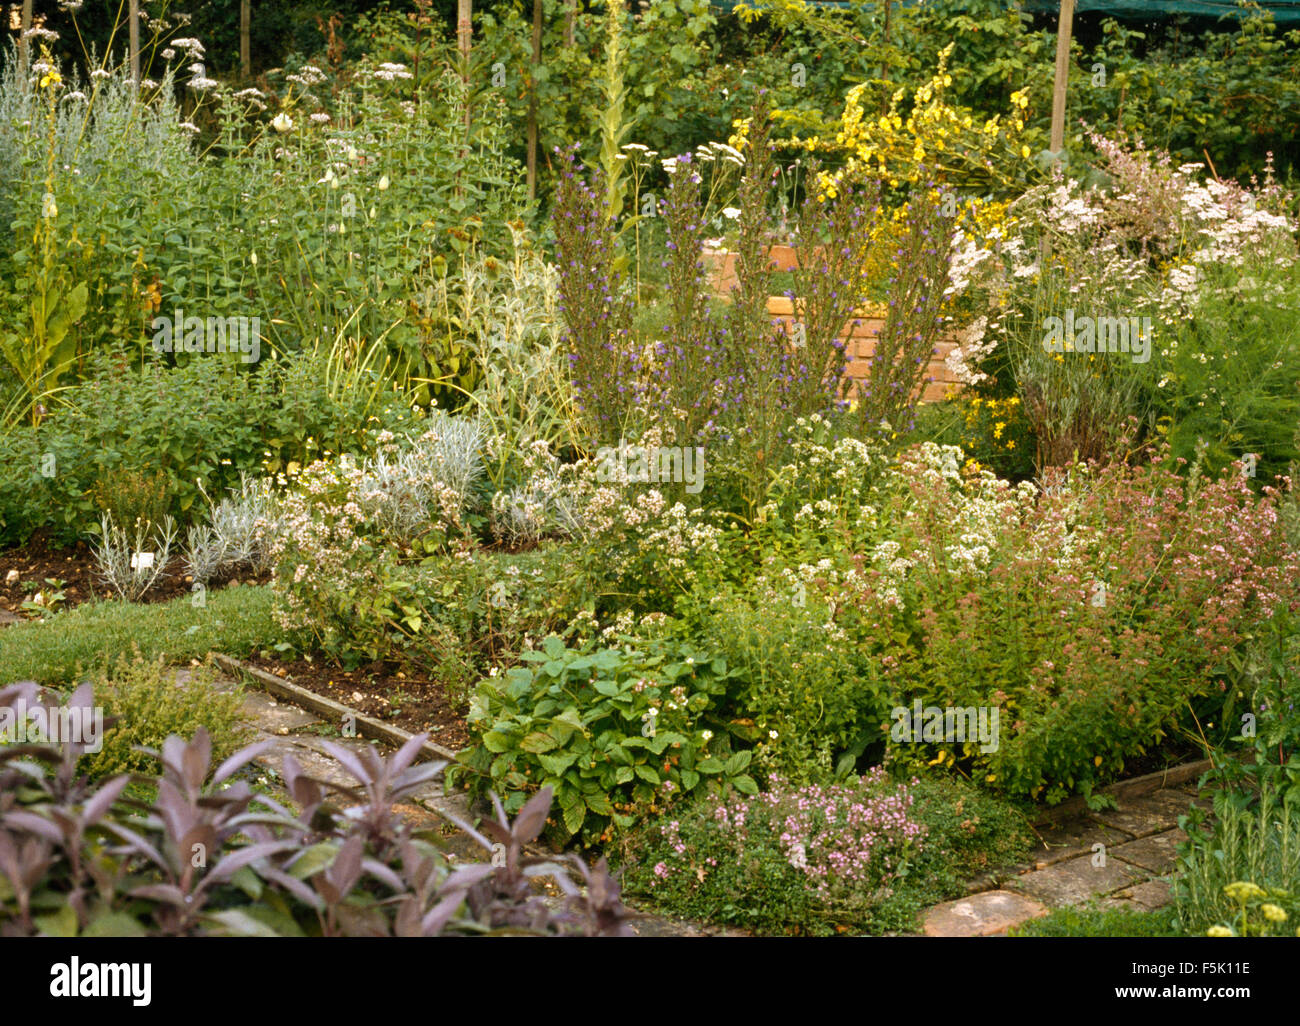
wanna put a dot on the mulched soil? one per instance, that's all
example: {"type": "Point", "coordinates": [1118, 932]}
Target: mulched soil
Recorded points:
{"type": "Point", "coordinates": [413, 703]}
{"type": "Point", "coordinates": [75, 567]}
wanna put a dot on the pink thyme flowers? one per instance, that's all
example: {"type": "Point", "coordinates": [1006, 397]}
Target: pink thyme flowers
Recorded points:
{"type": "Point", "coordinates": [849, 841]}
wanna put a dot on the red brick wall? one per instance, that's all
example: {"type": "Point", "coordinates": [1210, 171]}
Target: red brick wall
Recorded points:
{"type": "Point", "coordinates": [861, 339]}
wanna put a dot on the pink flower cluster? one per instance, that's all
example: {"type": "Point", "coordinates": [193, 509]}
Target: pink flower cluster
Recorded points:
{"type": "Point", "coordinates": [850, 838]}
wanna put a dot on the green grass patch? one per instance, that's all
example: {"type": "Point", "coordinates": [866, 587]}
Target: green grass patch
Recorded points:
{"type": "Point", "coordinates": [1094, 921]}
{"type": "Point", "coordinates": [58, 650]}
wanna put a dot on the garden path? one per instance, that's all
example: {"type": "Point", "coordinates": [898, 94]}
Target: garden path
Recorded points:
{"type": "Point", "coordinates": [1122, 856]}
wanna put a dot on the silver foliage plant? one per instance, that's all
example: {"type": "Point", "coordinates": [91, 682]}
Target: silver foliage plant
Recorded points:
{"type": "Point", "coordinates": [238, 533]}
{"type": "Point", "coordinates": [549, 502]}
{"type": "Point", "coordinates": [406, 490]}
{"type": "Point", "coordinates": [132, 564]}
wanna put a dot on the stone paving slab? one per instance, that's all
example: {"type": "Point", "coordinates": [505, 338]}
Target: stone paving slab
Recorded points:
{"type": "Point", "coordinates": [989, 914]}
{"type": "Point", "coordinates": [1155, 853]}
{"type": "Point", "coordinates": [1073, 838]}
{"type": "Point", "coordinates": [1076, 881]}
{"type": "Point", "coordinates": [1150, 896]}
{"type": "Point", "coordinates": [312, 762]}
{"type": "Point", "coordinates": [1146, 815]}
{"type": "Point", "coordinates": [276, 717]}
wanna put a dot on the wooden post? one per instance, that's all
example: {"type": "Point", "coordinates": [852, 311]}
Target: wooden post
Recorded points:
{"type": "Point", "coordinates": [245, 20]}
{"type": "Point", "coordinates": [133, 38]}
{"type": "Point", "coordinates": [464, 31]}
{"type": "Point", "coordinates": [532, 100]}
{"type": "Point", "coordinates": [1064, 30]}
{"type": "Point", "coordinates": [24, 45]}
{"type": "Point", "coordinates": [884, 38]}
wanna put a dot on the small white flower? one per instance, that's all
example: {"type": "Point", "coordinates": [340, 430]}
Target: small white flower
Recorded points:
{"type": "Point", "coordinates": [383, 183]}
{"type": "Point", "coordinates": [731, 213]}
{"type": "Point", "coordinates": [282, 122]}
{"type": "Point", "coordinates": [772, 734]}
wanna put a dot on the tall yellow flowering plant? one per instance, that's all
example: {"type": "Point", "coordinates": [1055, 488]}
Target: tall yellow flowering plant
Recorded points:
{"type": "Point", "coordinates": [935, 142]}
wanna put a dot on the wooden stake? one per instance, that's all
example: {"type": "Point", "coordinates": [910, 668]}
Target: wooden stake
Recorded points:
{"type": "Point", "coordinates": [532, 100]}
{"type": "Point", "coordinates": [1064, 30]}
{"type": "Point", "coordinates": [570, 20]}
{"type": "Point", "coordinates": [464, 32]}
{"type": "Point", "coordinates": [133, 41]}
{"type": "Point", "coordinates": [245, 23]}
{"type": "Point", "coordinates": [23, 42]}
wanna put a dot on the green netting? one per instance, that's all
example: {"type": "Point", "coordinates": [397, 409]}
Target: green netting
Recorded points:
{"type": "Point", "coordinates": [1283, 13]}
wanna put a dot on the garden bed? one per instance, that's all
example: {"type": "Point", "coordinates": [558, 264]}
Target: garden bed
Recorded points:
{"type": "Point", "coordinates": [76, 578]}
{"type": "Point", "coordinates": [379, 691]}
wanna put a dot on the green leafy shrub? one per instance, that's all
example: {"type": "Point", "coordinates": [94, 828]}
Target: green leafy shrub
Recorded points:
{"type": "Point", "coordinates": [812, 692]}
{"type": "Point", "coordinates": [122, 421]}
{"type": "Point", "coordinates": [1229, 382]}
{"type": "Point", "coordinates": [613, 731]}
{"type": "Point", "coordinates": [484, 609]}
{"type": "Point", "coordinates": [1237, 870]}
{"type": "Point", "coordinates": [150, 704]}
{"type": "Point", "coordinates": [1093, 633]}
